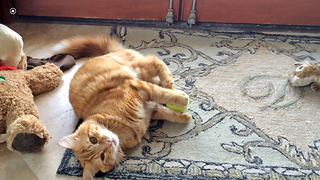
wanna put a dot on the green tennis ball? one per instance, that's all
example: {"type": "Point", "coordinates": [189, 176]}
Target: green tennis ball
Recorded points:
{"type": "Point", "coordinates": [175, 108]}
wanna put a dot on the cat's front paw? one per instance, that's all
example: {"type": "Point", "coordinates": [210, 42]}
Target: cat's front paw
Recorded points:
{"type": "Point", "coordinates": [186, 117]}
{"type": "Point", "coordinates": [183, 99]}
{"type": "Point", "coordinates": [168, 84]}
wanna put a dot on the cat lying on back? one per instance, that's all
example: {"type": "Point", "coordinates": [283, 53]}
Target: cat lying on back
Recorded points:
{"type": "Point", "coordinates": [116, 92]}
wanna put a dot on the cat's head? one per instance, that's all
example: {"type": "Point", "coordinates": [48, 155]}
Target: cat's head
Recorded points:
{"type": "Point", "coordinates": [304, 74]}
{"type": "Point", "coordinates": [96, 147]}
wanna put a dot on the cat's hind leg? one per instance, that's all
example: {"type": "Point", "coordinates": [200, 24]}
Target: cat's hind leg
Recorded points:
{"type": "Point", "coordinates": [164, 113]}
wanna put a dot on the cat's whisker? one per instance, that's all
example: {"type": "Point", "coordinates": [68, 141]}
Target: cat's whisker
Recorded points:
{"type": "Point", "coordinates": [112, 127]}
{"type": "Point", "coordinates": [107, 124]}
{"type": "Point", "coordinates": [119, 157]}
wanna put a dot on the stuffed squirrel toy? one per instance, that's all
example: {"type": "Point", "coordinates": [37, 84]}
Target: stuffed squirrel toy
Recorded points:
{"type": "Point", "coordinates": [306, 74]}
{"type": "Point", "coordinates": [20, 126]}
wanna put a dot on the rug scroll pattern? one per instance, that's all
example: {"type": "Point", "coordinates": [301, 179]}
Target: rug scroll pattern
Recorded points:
{"type": "Point", "coordinates": [219, 143]}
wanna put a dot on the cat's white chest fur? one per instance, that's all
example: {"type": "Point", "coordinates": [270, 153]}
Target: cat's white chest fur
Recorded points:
{"type": "Point", "coordinates": [11, 45]}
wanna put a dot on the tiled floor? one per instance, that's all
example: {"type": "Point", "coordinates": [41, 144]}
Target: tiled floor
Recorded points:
{"type": "Point", "coordinates": [54, 107]}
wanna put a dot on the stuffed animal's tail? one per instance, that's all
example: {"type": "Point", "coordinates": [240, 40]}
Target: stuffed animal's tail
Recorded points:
{"type": "Point", "coordinates": [85, 46]}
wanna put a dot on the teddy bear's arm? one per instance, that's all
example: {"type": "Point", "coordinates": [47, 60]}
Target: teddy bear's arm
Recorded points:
{"type": "Point", "coordinates": [43, 78]}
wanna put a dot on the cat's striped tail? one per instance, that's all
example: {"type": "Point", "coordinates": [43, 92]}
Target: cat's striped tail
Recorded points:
{"type": "Point", "coordinates": [86, 46]}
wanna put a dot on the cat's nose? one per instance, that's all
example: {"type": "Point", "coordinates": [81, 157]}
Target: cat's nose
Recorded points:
{"type": "Point", "coordinates": [106, 144]}
{"type": "Point", "coordinates": [109, 143]}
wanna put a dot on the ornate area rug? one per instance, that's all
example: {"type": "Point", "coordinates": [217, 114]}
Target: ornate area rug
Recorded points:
{"type": "Point", "coordinates": [248, 122]}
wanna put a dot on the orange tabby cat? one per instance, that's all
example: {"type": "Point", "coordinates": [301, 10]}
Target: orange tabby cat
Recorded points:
{"type": "Point", "coordinates": [115, 92]}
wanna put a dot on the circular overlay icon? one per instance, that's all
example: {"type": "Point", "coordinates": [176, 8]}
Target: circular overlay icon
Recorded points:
{"type": "Point", "coordinates": [13, 11]}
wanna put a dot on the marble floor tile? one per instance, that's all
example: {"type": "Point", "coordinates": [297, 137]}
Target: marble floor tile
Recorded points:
{"type": "Point", "coordinates": [13, 166]}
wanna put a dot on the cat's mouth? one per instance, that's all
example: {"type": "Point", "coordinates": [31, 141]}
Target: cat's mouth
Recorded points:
{"type": "Point", "coordinates": [112, 142]}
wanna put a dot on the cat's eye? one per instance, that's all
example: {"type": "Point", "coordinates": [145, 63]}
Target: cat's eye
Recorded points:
{"type": "Point", "coordinates": [102, 156]}
{"type": "Point", "coordinates": [93, 140]}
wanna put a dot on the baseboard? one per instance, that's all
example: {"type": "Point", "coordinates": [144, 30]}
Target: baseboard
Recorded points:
{"type": "Point", "coordinates": [179, 25]}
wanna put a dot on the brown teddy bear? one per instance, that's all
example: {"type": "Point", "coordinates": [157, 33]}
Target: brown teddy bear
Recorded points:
{"type": "Point", "coordinates": [19, 118]}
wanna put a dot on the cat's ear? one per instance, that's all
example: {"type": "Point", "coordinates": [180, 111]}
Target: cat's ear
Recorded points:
{"type": "Point", "coordinates": [89, 171]}
{"type": "Point", "coordinates": [69, 141]}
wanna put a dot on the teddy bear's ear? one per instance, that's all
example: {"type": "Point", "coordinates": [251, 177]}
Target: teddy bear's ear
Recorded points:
{"type": "Point", "coordinates": [68, 142]}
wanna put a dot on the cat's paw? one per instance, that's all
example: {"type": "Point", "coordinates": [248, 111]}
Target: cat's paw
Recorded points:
{"type": "Point", "coordinates": [169, 84]}
{"type": "Point", "coordinates": [183, 99]}
{"type": "Point", "coordinates": [185, 117]}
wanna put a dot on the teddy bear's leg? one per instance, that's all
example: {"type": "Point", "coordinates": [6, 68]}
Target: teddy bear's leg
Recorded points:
{"type": "Point", "coordinates": [2, 130]}
{"type": "Point", "coordinates": [3, 138]}
{"type": "Point", "coordinates": [26, 134]}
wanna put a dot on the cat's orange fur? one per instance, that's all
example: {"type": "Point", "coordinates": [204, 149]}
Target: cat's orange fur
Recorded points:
{"type": "Point", "coordinates": [113, 94]}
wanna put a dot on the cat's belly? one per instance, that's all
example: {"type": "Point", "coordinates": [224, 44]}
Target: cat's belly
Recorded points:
{"type": "Point", "coordinates": [94, 81]}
